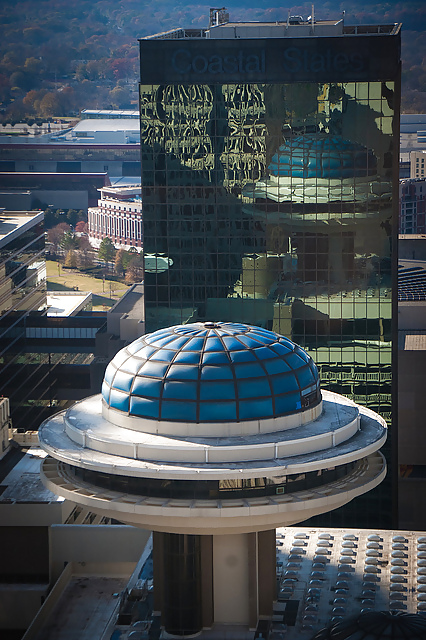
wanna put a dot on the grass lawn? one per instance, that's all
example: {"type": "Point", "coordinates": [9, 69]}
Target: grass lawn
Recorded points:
{"type": "Point", "coordinates": [104, 294]}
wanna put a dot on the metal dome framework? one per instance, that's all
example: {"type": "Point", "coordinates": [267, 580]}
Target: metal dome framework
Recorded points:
{"type": "Point", "coordinates": [214, 372]}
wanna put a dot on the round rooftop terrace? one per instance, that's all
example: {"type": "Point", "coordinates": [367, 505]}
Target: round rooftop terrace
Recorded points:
{"type": "Point", "coordinates": [211, 372]}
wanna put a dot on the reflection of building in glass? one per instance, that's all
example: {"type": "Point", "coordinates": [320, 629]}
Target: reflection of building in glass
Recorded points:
{"type": "Point", "coordinates": [412, 205]}
{"type": "Point", "coordinates": [268, 173]}
{"type": "Point", "coordinates": [22, 293]}
{"type": "Point", "coordinates": [118, 216]}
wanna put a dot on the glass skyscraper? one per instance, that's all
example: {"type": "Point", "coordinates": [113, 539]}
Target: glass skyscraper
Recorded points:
{"type": "Point", "coordinates": [270, 193]}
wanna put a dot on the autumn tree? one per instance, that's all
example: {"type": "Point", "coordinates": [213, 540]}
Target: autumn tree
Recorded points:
{"type": "Point", "coordinates": [81, 227]}
{"type": "Point", "coordinates": [119, 262]}
{"type": "Point", "coordinates": [84, 253]}
{"type": "Point", "coordinates": [135, 269]}
{"type": "Point", "coordinates": [70, 260]}
{"type": "Point", "coordinates": [56, 234]}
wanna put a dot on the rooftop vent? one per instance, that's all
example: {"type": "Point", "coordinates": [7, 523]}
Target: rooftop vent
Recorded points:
{"type": "Point", "coordinates": [218, 16]}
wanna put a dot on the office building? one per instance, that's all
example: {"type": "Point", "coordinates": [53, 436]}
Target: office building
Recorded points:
{"type": "Point", "coordinates": [118, 216]}
{"type": "Point", "coordinates": [417, 164]}
{"type": "Point", "coordinates": [270, 175]}
{"type": "Point", "coordinates": [412, 206]}
{"type": "Point", "coordinates": [67, 168]}
{"type": "Point", "coordinates": [22, 294]}
{"type": "Point", "coordinates": [212, 435]}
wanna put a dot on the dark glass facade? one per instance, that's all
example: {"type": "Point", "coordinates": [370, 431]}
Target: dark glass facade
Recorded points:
{"type": "Point", "coordinates": [269, 172]}
{"type": "Point", "coordinates": [22, 293]}
{"type": "Point", "coordinates": [215, 489]}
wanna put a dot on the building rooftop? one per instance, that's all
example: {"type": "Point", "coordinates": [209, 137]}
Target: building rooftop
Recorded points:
{"type": "Point", "coordinates": [67, 303]}
{"type": "Point", "coordinates": [23, 483]}
{"type": "Point", "coordinates": [329, 575]}
{"type": "Point", "coordinates": [14, 223]}
{"type": "Point", "coordinates": [87, 114]}
{"type": "Point", "coordinates": [324, 577]}
{"type": "Point", "coordinates": [221, 27]}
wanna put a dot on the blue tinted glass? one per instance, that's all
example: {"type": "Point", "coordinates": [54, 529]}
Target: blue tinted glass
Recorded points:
{"type": "Point", "coordinates": [139, 345]}
{"type": "Point", "coordinates": [194, 344]}
{"type": "Point", "coordinates": [147, 387]}
{"type": "Point", "coordinates": [213, 344]}
{"type": "Point", "coordinates": [109, 373]}
{"type": "Point", "coordinates": [287, 343]}
{"type": "Point", "coordinates": [250, 341]}
{"type": "Point", "coordinates": [120, 357]}
{"type": "Point", "coordinates": [314, 369]}
{"type": "Point", "coordinates": [178, 342]}
{"type": "Point", "coordinates": [145, 352]}
{"type": "Point", "coordinates": [254, 409]}
{"type": "Point", "coordinates": [276, 366]}
{"type": "Point", "coordinates": [145, 408]}
{"type": "Point", "coordinates": [308, 390]}
{"type": "Point", "coordinates": [187, 357]}
{"type": "Point", "coordinates": [105, 392]}
{"type": "Point", "coordinates": [300, 352]}
{"type": "Point", "coordinates": [182, 372]}
{"type": "Point", "coordinates": [281, 349]}
{"type": "Point", "coordinates": [163, 355]}
{"type": "Point", "coordinates": [217, 411]}
{"type": "Point", "coordinates": [174, 410]}
{"type": "Point", "coordinates": [154, 369]}
{"type": "Point", "coordinates": [284, 383]}
{"type": "Point", "coordinates": [122, 381]}
{"type": "Point", "coordinates": [180, 390]}
{"type": "Point", "coordinates": [161, 342]}
{"type": "Point", "coordinates": [305, 377]}
{"type": "Point", "coordinates": [132, 365]}
{"type": "Point", "coordinates": [157, 335]}
{"type": "Point", "coordinates": [216, 373]}
{"type": "Point", "coordinates": [265, 353]}
{"type": "Point", "coordinates": [287, 404]}
{"type": "Point", "coordinates": [249, 370]}
{"type": "Point", "coordinates": [294, 361]}
{"type": "Point", "coordinates": [242, 356]}
{"type": "Point", "coordinates": [119, 400]}
{"type": "Point", "coordinates": [253, 388]}
{"type": "Point", "coordinates": [217, 391]}
{"type": "Point", "coordinates": [215, 358]}
{"type": "Point", "coordinates": [264, 339]}
{"type": "Point", "coordinates": [264, 332]}
{"type": "Point", "coordinates": [233, 344]}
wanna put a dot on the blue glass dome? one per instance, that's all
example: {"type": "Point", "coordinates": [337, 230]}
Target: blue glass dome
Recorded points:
{"type": "Point", "coordinates": [211, 372]}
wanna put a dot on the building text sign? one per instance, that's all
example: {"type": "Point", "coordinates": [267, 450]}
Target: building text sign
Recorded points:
{"type": "Point", "coordinates": [344, 58]}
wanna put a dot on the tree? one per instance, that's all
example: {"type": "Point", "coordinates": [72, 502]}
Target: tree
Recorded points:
{"type": "Point", "coordinates": [135, 270]}
{"type": "Point", "coordinates": [50, 105]}
{"type": "Point", "coordinates": [81, 227]}
{"type": "Point", "coordinates": [70, 260]}
{"type": "Point", "coordinates": [119, 262]}
{"type": "Point", "coordinates": [56, 234]}
{"type": "Point", "coordinates": [69, 241]}
{"type": "Point", "coordinates": [106, 251]}
{"type": "Point", "coordinates": [84, 253]}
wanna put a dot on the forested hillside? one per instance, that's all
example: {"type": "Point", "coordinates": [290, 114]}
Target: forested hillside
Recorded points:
{"type": "Point", "coordinates": [58, 57]}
